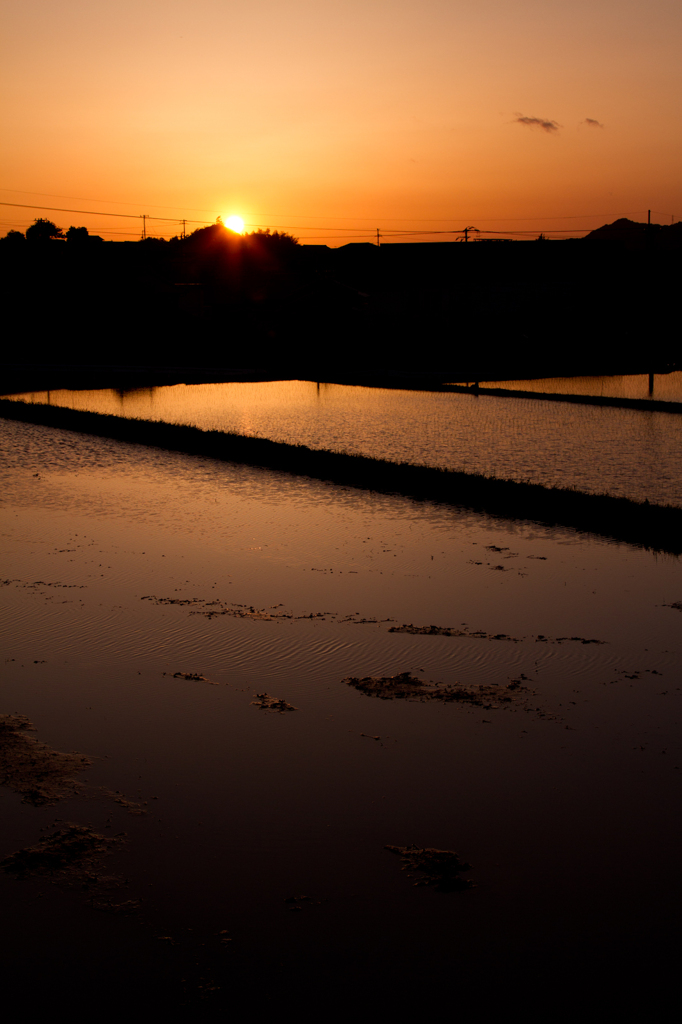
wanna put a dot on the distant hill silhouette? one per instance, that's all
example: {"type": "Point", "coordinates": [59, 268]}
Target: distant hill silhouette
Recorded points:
{"type": "Point", "coordinates": [634, 234]}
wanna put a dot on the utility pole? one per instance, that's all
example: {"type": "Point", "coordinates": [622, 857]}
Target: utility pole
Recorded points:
{"type": "Point", "coordinates": [378, 237]}
{"type": "Point", "coordinates": [183, 229]}
{"type": "Point", "coordinates": [649, 219]}
{"type": "Point", "coordinates": [144, 225]}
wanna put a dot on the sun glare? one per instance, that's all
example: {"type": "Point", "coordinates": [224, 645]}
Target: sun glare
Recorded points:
{"type": "Point", "coordinates": [235, 224]}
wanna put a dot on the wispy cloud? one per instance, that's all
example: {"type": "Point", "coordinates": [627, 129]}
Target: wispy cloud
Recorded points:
{"type": "Point", "coordinates": [538, 122]}
{"type": "Point", "coordinates": [591, 123]}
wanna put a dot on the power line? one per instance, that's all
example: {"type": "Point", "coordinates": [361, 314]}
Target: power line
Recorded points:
{"type": "Point", "coordinates": [352, 232]}
{"type": "Point", "coordinates": [102, 213]}
{"type": "Point", "coordinates": [573, 216]}
{"type": "Point", "coordinates": [115, 202]}
{"type": "Point", "coordinates": [305, 216]}
{"type": "Point", "coordinates": [291, 227]}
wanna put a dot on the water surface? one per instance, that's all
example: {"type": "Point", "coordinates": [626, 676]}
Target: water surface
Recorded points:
{"type": "Point", "coordinates": [660, 387]}
{"type": "Point", "coordinates": [124, 565]}
{"type": "Point", "coordinates": [624, 452]}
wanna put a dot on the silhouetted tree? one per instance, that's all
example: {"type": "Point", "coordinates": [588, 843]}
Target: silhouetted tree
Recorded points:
{"type": "Point", "coordinates": [42, 230]}
{"type": "Point", "coordinates": [277, 239]}
{"type": "Point", "coordinates": [213, 238]}
{"type": "Point", "coordinates": [13, 238]}
{"type": "Point", "coordinates": [82, 236]}
{"type": "Point", "coordinates": [217, 237]}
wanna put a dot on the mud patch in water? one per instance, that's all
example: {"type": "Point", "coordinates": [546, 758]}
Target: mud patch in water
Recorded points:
{"type": "Point", "coordinates": [406, 687]}
{"type": "Point", "coordinates": [64, 850]}
{"type": "Point", "coordinates": [214, 608]}
{"type": "Point", "coordinates": [132, 806]}
{"type": "Point", "coordinates": [300, 902]}
{"type": "Point", "coordinates": [478, 634]}
{"type": "Point", "coordinates": [41, 775]}
{"type": "Point", "coordinates": [268, 703]}
{"type": "Point", "coordinates": [192, 677]}
{"type": "Point", "coordinates": [72, 857]}
{"type": "Point", "coordinates": [481, 634]}
{"type": "Point", "coordinates": [35, 584]}
{"type": "Point", "coordinates": [440, 869]}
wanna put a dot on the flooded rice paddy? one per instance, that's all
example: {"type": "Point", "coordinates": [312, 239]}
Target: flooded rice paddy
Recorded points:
{"type": "Point", "coordinates": [630, 453]}
{"type": "Point", "coordinates": [323, 744]}
{"type": "Point", "coordinates": [661, 387]}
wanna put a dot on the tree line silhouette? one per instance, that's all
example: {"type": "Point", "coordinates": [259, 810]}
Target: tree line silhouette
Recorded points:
{"type": "Point", "coordinates": [211, 238]}
{"type": "Point", "coordinates": [215, 298]}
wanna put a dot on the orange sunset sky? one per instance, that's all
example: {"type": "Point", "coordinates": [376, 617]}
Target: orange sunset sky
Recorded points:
{"type": "Point", "coordinates": [332, 118]}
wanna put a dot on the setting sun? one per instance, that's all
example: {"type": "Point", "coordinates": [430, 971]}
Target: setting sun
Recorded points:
{"type": "Point", "coordinates": [235, 224]}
